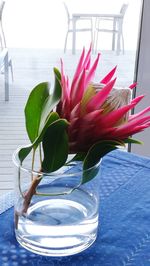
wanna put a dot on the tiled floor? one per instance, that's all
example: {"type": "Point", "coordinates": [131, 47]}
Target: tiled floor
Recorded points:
{"type": "Point", "coordinates": [32, 66]}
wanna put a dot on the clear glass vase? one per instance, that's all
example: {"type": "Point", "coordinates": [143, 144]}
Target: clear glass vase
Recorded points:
{"type": "Point", "coordinates": [55, 214]}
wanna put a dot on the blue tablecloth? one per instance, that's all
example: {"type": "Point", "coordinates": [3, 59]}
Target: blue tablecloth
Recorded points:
{"type": "Point", "coordinates": [124, 231]}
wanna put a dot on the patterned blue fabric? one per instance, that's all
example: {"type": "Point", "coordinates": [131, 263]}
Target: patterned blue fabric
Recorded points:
{"type": "Point", "coordinates": [124, 231]}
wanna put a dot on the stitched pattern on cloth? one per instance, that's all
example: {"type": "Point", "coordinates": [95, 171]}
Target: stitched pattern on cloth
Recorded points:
{"type": "Point", "coordinates": [135, 255]}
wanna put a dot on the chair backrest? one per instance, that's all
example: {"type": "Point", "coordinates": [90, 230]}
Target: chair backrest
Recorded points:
{"type": "Point", "coordinates": [67, 12]}
{"type": "Point", "coordinates": [123, 9]}
{"type": "Point", "coordinates": [2, 3]}
{"type": "Point", "coordinates": [2, 35]}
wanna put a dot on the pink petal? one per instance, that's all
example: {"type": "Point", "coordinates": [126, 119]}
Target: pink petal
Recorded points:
{"type": "Point", "coordinates": [132, 86]}
{"type": "Point", "coordinates": [84, 133]}
{"type": "Point", "coordinates": [114, 116]}
{"type": "Point", "coordinates": [62, 67]}
{"type": "Point", "coordinates": [91, 72]}
{"type": "Point", "coordinates": [109, 76]}
{"type": "Point", "coordinates": [75, 112]}
{"type": "Point", "coordinates": [78, 70]}
{"type": "Point", "coordinates": [125, 134]}
{"type": "Point", "coordinates": [103, 133]}
{"type": "Point", "coordinates": [68, 87]}
{"type": "Point", "coordinates": [92, 116]}
{"type": "Point", "coordinates": [78, 90]}
{"type": "Point", "coordinates": [66, 109]}
{"type": "Point", "coordinates": [98, 99]}
{"type": "Point", "coordinates": [137, 99]}
{"type": "Point", "coordinates": [147, 124]}
{"type": "Point", "coordinates": [73, 127]}
{"type": "Point", "coordinates": [131, 125]}
{"type": "Point", "coordinates": [87, 66]}
{"type": "Point", "coordinates": [87, 58]}
{"type": "Point", "coordinates": [135, 116]}
{"type": "Point", "coordinates": [62, 73]}
{"type": "Point", "coordinates": [64, 83]}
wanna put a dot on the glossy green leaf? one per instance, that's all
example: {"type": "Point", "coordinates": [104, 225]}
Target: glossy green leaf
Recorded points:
{"type": "Point", "coordinates": [55, 146]}
{"type": "Point", "coordinates": [52, 100]}
{"type": "Point", "coordinates": [57, 73]}
{"type": "Point", "coordinates": [96, 152]}
{"type": "Point", "coordinates": [38, 113]}
{"type": "Point", "coordinates": [23, 153]}
{"type": "Point", "coordinates": [80, 156]}
{"type": "Point", "coordinates": [132, 141]}
{"type": "Point", "coordinates": [33, 109]}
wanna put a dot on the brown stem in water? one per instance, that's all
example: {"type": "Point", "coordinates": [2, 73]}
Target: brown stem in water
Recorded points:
{"type": "Point", "coordinates": [29, 194]}
{"type": "Point", "coordinates": [27, 198]}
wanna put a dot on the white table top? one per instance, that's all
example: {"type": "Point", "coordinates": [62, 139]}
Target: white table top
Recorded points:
{"type": "Point", "coordinates": [75, 15]}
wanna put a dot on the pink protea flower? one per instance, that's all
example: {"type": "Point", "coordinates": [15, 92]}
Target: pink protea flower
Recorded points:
{"type": "Point", "coordinates": [83, 118]}
{"type": "Point", "coordinates": [95, 111]}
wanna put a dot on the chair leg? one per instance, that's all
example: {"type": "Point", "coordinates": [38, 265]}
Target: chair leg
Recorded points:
{"type": "Point", "coordinates": [119, 34]}
{"type": "Point", "coordinates": [11, 69]}
{"type": "Point", "coordinates": [96, 41]}
{"type": "Point", "coordinates": [6, 77]}
{"type": "Point", "coordinates": [92, 37]}
{"type": "Point", "coordinates": [114, 35]}
{"type": "Point", "coordinates": [94, 34]}
{"type": "Point", "coordinates": [65, 45]}
{"type": "Point", "coordinates": [3, 35]}
{"type": "Point", "coordinates": [122, 43]}
{"type": "Point", "coordinates": [97, 22]}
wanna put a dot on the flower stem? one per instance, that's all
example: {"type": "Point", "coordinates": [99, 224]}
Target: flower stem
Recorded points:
{"type": "Point", "coordinates": [33, 158]}
{"type": "Point", "coordinates": [29, 194]}
{"type": "Point", "coordinates": [27, 199]}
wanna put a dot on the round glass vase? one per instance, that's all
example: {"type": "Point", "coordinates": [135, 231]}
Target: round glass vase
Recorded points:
{"type": "Point", "coordinates": [55, 214]}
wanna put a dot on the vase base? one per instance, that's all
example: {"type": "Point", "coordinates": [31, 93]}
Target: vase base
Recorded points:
{"type": "Point", "coordinates": [59, 227]}
{"type": "Point", "coordinates": [59, 252]}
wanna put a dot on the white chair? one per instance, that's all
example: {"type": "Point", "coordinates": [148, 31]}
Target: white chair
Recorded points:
{"type": "Point", "coordinates": [4, 64]}
{"type": "Point", "coordinates": [78, 29]}
{"type": "Point", "coordinates": [3, 45]}
{"type": "Point", "coordinates": [116, 29]}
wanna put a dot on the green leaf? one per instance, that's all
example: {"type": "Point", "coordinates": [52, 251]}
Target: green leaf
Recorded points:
{"type": "Point", "coordinates": [33, 109]}
{"type": "Point", "coordinates": [50, 120]}
{"type": "Point", "coordinates": [134, 141]}
{"type": "Point", "coordinates": [23, 153]}
{"type": "Point", "coordinates": [55, 146]}
{"type": "Point", "coordinates": [80, 156]}
{"type": "Point", "coordinates": [96, 152]}
{"type": "Point", "coordinates": [38, 112]}
{"type": "Point", "coordinates": [57, 73]}
{"type": "Point", "coordinates": [52, 100]}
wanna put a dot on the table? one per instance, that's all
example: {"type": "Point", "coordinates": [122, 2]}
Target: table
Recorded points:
{"type": "Point", "coordinates": [124, 231]}
{"type": "Point", "coordinates": [76, 16]}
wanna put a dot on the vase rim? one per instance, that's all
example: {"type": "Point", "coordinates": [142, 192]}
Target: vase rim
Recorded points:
{"type": "Point", "coordinates": [17, 163]}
